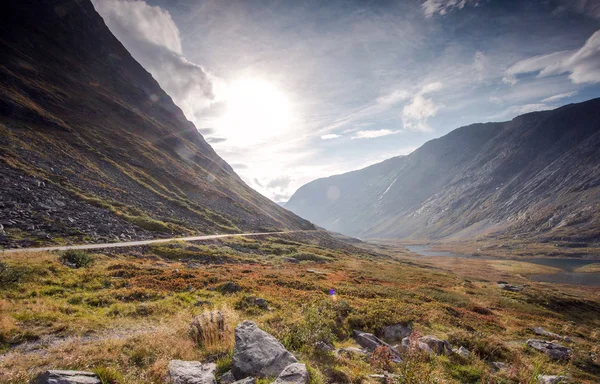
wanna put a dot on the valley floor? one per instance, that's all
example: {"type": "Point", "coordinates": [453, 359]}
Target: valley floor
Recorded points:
{"type": "Point", "coordinates": [128, 311]}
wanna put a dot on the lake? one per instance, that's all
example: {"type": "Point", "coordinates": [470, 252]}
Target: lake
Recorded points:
{"type": "Point", "coordinates": [567, 276]}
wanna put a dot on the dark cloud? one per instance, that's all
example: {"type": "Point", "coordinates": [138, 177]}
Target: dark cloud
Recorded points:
{"type": "Point", "coordinates": [216, 140]}
{"type": "Point", "coordinates": [206, 131]}
{"type": "Point", "coordinates": [279, 182]}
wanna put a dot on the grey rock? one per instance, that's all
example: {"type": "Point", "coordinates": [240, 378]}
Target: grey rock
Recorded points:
{"type": "Point", "coordinates": [370, 342]}
{"type": "Point", "coordinates": [257, 353]}
{"type": "Point", "coordinates": [542, 332]}
{"type": "Point", "coordinates": [397, 332]}
{"type": "Point", "coordinates": [498, 365]}
{"type": "Point", "coordinates": [227, 378]}
{"type": "Point", "coordinates": [551, 379]}
{"type": "Point", "coordinates": [554, 350]}
{"type": "Point", "coordinates": [509, 287]}
{"type": "Point", "coordinates": [293, 374]}
{"type": "Point", "coordinates": [349, 351]}
{"type": "Point", "coordinates": [438, 346]}
{"type": "Point", "coordinates": [464, 352]}
{"type": "Point", "coordinates": [247, 380]}
{"type": "Point", "coordinates": [67, 377]}
{"type": "Point", "coordinates": [191, 372]}
{"type": "Point", "coordinates": [324, 346]}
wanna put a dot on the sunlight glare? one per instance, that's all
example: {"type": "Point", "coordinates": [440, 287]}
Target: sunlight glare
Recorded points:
{"type": "Point", "coordinates": [256, 111]}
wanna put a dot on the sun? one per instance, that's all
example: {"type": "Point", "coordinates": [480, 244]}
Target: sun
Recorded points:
{"type": "Point", "coordinates": [256, 111]}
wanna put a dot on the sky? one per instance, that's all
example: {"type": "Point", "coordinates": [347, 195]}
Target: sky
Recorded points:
{"type": "Point", "coordinates": [290, 91]}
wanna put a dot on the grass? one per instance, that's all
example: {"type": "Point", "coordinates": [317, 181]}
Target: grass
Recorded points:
{"type": "Point", "coordinates": [127, 315]}
{"type": "Point", "coordinates": [590, 268]}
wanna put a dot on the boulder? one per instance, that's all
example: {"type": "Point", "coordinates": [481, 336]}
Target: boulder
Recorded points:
{"type": "Point", "coordinates": [370, 342]}
{"type": "Point", "coordinates": [67, 377]}
{"type": "Point", "coordinates": [257, 353]}
{"type": "Point", "coordinates": [227, 378]}
{"type": "Point", "coordinates": [542, 332]}
{"type": "Point", "coordinates": [247, 380]}
{"type": "Point", "coordinates": [324, 346]}
{"type": "Point", "coordinates": [293, 374]}
{"type": "Point", "coordinates": [405, 345]}
{"type": "Point", "coordinates": [191, 372]}
{"type": "Point", "coordinates": [554, 350]}
{"type": "Point", "coordinates": [438, 346]}
{"type": "Point", "coordinates": [509, 287]}
{"type": "Point", "coordinates": [349, 351]}
{"type": "Point", "coordinates": [549, 379]}
{"type": "Point", "coordinates": [464, 352]}
{"type": "Point", "coordinates": [397, 332]}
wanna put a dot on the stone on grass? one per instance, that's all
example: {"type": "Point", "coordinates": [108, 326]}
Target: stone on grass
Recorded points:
{"type": "Point", "coordinates": [509, 287]}
{"type": "Point", "coordinates": [191, 372]}
{"type": "Point", "coordinates": [67, 377]}
{"type": "Point", "coordinates": [550, 379]}
{"type": "Point", "coordinates": [462, 351]}
{"type": "Point", "coordinates": [405, 345]}
{"type": "Point", "coordinates": [293, 374]}
{"type": "Point", "coordinates": [227, 378]}
{"type": "Point", "coordinates": [498, 365]}
{"type": "Point", "coordinates": [438, 346]}
{"type": "Point", "coordinates": [371, 342]}
{"type": "Point", "coordinates": [542, 332]}
{"type": "Point", "coordinates": [554, 350]}
{"type": "Point", "coordinates": [257, 353]}
{"type": "Point", "coordinates": [247, 380]}
{"type": "Point", "coordinates": [349, 351]}
{"type": "Point", "coordinates": [397, 332]}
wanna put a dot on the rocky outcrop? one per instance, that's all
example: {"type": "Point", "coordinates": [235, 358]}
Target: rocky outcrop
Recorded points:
{"type": "Point", "coordinates": [371, 342]}
{"type": "Point", "coordinates": [293, 374]}
{"type": "Point", "coordinates": [397, 332]}
{"type": "Point", "coordinates": [554, 350]}
{"type": "Point", "coordinates": [191, 372]}
{"type": "Point", "coordinates": [67, 377]}
{"type": "Point", "coordinates": [509, 287]}
{"type": "Point", "coordinates": [257, 353]}
{"type": "Point", "coordinates": [542, 332]}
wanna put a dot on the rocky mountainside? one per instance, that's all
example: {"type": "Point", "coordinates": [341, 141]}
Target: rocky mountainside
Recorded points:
{"type": "Point", "coordinates": [536, 175]}
{"type": "Point", "coordinates": [91, 148]}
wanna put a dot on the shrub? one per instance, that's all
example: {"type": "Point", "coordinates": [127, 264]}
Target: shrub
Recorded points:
{"type": "Point", "coordinates": [76, 259]}
{"type": "Point", "coordinates": [213, 331]}
{"type": "Point", "coordinates": [109, 375]}
{"type": "Point", "coordinates": [306, 256]}
{"type": "Point", "coordinates": [10, 274]}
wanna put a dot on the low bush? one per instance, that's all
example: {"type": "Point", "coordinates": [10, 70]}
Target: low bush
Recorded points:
{"type": "Point", "coordinates": [76, 259]}
{"type": "Point", "coordinates": [10, 274]}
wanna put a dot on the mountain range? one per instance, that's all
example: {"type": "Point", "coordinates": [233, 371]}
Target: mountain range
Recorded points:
{"type": "Point", "coordinates": [91, 147]}
{"type": "Point", "coordinates": [537, 175]}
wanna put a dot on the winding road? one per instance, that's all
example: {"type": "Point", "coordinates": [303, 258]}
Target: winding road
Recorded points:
{"type": "Point", "coordinates": [125, 244]}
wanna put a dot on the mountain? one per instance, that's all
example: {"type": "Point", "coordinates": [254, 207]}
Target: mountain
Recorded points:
{"type": "Point", "coordinates": [91, 148]}
{"type": "Point", "coordinates": [537, 175]}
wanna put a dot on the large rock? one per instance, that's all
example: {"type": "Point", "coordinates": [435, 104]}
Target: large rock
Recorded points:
{"type": "Point", "coordinates": [191, 372]}
{"type": "Point", "coordinates": [371, 342]}
{"type": "Point", "coordinates": [542, 332]}
{"type": "Point", "coordinates": [67, 377]}
{"type": "Point", "coordinates": [257, 353]}
{"type": "Point", "coordinates": [438, 346]}
{"type": "Point", "coordinates": [397, 332]}
{"type": "Point", "coordinates": [553, 350]}
{"type": "Point", "coordinates": [293, 374]}
{"type": "Point", "coordinates": [227, 378]}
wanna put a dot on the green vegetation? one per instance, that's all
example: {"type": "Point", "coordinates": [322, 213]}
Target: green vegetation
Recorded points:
{"type": "Point", "coordinates": [136, 310]}
{"type": "Point", "coordinates": [76, 259]}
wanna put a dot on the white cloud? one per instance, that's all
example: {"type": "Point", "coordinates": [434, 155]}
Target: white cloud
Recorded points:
{"type": "Point", "coordinates": [527, 108]}
{"type": "Point", "coordinates": [330, 136]}
{"type": "Point", "coordinates": [421, 108]}
{"type": "Point", "coordinates": [371, 134]}
{"type": "Point", "coordinates": [152, 37]}
{"type": "Point", "coordinates": [558, 97]}
{"type": "Point", "coordinates": [480, 62]}
{"type": "Point", "coordinates": [583, 64]}
{"type": "Point", "coordinates": [431, 7]}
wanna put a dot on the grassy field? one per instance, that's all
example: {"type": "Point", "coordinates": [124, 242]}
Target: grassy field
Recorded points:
{"type": "Point", "coordinates": [127, 314]}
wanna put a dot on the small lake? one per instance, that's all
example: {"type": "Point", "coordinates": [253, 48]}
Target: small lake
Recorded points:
{"type": "Point", "coordinates": [567, 276]}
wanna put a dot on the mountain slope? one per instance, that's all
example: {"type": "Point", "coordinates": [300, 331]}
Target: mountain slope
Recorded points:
{"type": "Point", "coordinates": [92, 148]}
{"type": "Point", "coordinates": [538, 174]}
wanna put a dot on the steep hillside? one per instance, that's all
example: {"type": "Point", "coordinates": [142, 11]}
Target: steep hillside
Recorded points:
{"type": "Point", "coordinates": [536, 175]}
{"type": "Point", "coordinates": [91, 148]}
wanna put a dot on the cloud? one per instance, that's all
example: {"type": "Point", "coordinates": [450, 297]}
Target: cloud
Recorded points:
{"type": "Point", "coordinates": [558, 97]}
{"type": "Point", "coordinates": [206, 131]}
{"type": "Point", "coordinates": [480, 62]}
{"type": "Point", "coordinates": [239, 166]}
{"type": "Point", "coordinates": [431, 7]}
{"type": "Point", "coordinates": [583, 64]}
{"type": "Point", "coordinates": [330, 136]}
{"type": "Point", "coordinates": [216, 140]}
{"type": "Point", "coordinates": [416, 113]}
{"type": "Point", "coordinates": [371, 134]}
{"type": "Point", "coordinates": [590, 8]}
{"type": "Point", "coordinates": [527, 108]}
{"type": "Point", "coordinates": [152, 37]}
{"type": "Point", "coordinates": [279, 182]}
